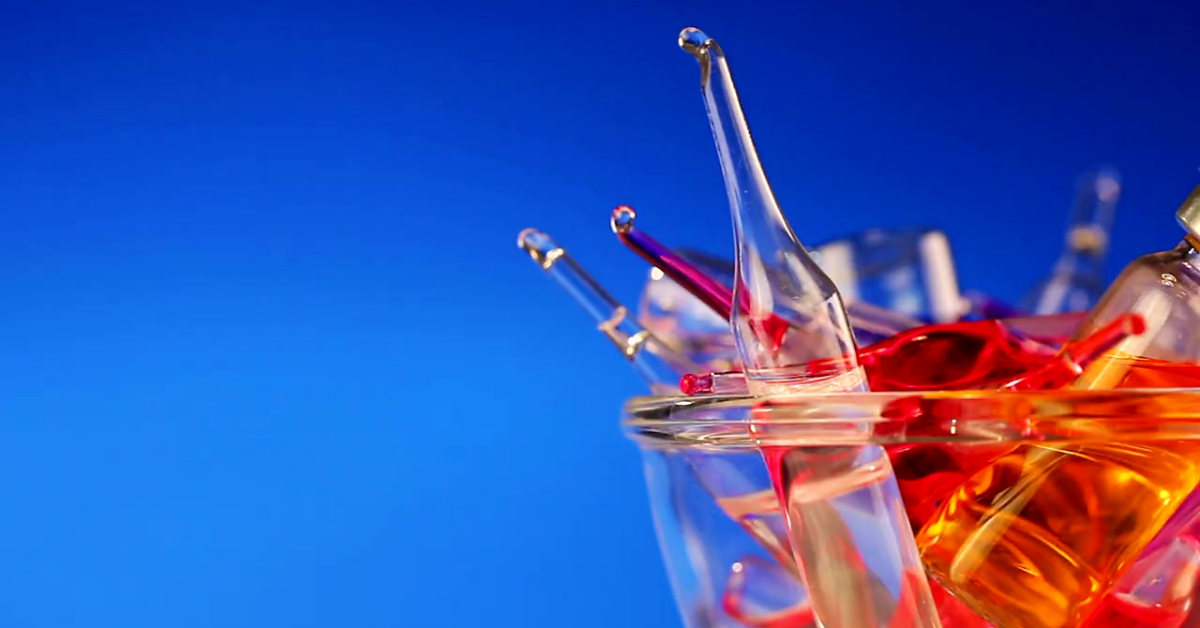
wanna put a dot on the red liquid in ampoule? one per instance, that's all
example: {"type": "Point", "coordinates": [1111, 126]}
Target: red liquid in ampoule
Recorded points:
{"type": "Point", "coordinates": [951, 356]}
{"type": "Point", "coordinates": [971, 355]}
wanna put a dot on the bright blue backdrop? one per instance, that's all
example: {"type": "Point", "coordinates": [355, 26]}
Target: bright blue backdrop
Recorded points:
{"type": "Point", "coordinates": [270, 357]}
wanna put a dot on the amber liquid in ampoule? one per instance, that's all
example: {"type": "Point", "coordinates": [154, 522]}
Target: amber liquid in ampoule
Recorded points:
{"type": "Point", "coordinates": [1039, 537]}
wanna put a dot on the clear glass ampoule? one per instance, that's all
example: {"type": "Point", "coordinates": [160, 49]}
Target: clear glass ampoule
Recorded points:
{"type": "Point", "coordinates": [787, 316]}
{"type": "Point", "coordinates": [780, 280]}
{"type": "Point", "coordinates": [1077, 281]}
{"type": "Point", "coordinates": [657, 364]}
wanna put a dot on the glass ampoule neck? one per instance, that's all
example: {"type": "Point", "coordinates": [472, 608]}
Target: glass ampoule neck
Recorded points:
{"type": "Point", "coordinates": [1190, 245]}
{"type": "Point", "coordinates": [1187, 250]}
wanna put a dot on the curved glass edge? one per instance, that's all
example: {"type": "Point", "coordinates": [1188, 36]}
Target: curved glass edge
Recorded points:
{"type": "Point", "coordinates": [710, 421]}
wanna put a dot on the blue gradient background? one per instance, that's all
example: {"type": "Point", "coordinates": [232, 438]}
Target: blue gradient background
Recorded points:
{"type": "Point", "coordinates": [271, 358]}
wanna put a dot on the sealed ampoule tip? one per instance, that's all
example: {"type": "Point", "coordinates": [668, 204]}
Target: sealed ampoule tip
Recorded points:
{"type": "Point", "coordinates": [658, 365]}
{"type": "Point", "coordinates": [693, 40]}
{"type": "Point", "coordinates": [540, 246]}
{"type": "Point", "coordinates": [622, 219]}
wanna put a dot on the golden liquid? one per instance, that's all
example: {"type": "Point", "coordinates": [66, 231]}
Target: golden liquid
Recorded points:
{"type": "Point", "coordinates": [1039, 537]}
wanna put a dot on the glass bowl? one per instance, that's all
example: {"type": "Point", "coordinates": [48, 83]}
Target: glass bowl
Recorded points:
{"type": "Point", "coordinates": [961, 509]}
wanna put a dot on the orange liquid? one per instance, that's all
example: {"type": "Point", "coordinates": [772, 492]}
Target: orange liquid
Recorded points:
{"type": "Point", "coordinates": [1038, 538]}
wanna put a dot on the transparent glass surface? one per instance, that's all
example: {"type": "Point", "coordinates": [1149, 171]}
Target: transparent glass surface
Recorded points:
{"type": "Point", "coordinates": [1118, 494]}
{"type": "Point", "coordinates": [1164, 288]}
{"type": "Point", "coordinates": [907, 271]}
{"type": "Point", "coordinates": [895, 280]}
{"type": "Point", "coordinates": [892, 279]}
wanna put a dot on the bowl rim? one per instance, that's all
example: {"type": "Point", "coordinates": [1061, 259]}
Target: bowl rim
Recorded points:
{"type": "Point", "coordinates": [827, 419]}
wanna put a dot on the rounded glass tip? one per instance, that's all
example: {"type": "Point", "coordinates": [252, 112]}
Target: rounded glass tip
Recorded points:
{"type": "Point", "coordinates": [694, 41]}
{"type": "Point", "coordinates": [692, 384]}
{"type": "Point", "coordinates": [622, 219]}
{"type": "Point", "coordinates": [1108, 185]}
{"type": "Point", "coordinates": [540, 246]}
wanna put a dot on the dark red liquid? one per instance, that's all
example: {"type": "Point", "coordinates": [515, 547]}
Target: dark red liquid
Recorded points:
{"type": "Point", "coordinates": [1119, 611]}
{"type": "Point", "coordinates": [954, 356]}
{"type": "Point", "coordinates": [951, 356]}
